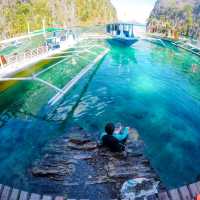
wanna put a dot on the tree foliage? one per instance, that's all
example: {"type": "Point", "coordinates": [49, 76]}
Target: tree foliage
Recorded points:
{"type": "Point", "coordinates": [179, 15]}
{"type": "Point", "coordinates": [15, 15]}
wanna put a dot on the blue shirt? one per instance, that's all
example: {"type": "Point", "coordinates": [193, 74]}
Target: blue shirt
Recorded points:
{"type": "Point", "coordinates": [119, 136]}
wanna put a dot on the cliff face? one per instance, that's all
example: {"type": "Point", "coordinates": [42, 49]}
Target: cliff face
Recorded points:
{"type": "Point", "coordinates": [16, 14]}
{"type": "Point", "coordinates": [182, 16]}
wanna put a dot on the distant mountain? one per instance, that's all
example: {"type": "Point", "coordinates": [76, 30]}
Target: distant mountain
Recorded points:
{"type": "Point", "coordinates": [132, 22]}
{"type": "Point", "coordinates": [136, 23]}
{"type": "Point", "coordinates": [16, 14]}
{"type": "Point", "coordinates": [182, 16]}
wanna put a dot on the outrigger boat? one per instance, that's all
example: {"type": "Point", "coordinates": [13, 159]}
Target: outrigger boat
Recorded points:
{"type": "Point", "coordinates": [121, 33]}
{"type": "Point", "coordinates": [60, 40]}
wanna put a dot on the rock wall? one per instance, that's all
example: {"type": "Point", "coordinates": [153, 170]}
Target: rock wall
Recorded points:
{"type": "Point", "coordinates": [181, 16]}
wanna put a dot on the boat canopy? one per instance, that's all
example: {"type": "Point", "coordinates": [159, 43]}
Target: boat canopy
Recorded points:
{"type": "Point", "coordinates": [120, 29]}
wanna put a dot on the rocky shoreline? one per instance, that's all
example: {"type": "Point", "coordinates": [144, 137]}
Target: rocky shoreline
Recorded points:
{"type": "Point", "coordinates": [76, 165]}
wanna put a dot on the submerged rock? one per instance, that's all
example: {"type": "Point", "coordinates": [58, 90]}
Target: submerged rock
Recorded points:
{"type": "Point", "coordinates": [99, 180]}
{"type": "Point", "coordinates": [76, 163]}
{"type": "Point", "coordinates": [36, 171]}
{"type": "Point", "coordinates": [85, 145]}
{"type": "Point", "coordinates": [83, 156]}
{"type": "Point", "coordinates": [79, 141]}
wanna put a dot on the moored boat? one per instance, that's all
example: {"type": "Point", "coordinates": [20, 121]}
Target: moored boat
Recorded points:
{"type": "Point", "coordinates": [60, 40]}
{"type": "Point", "coordinates": [121, 33]}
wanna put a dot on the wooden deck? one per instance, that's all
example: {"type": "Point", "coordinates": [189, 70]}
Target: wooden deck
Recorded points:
{"type": "Point", "coordinates": [183, 193]}
{"type": "Point", "coordinates": [7, 193]}
{"type": "Point", "coordinates": [188, 192]}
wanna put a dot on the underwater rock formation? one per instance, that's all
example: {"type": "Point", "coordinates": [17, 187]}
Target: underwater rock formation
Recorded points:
{"type": "Point", "coordinates": [75, 161]}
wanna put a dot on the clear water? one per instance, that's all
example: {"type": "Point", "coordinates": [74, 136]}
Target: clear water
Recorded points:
{"type": "Point", "coordinates": [149, 87]}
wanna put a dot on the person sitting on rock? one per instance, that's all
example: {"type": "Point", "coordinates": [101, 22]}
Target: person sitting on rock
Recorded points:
{"type": "Point", "coordinates": [120, 135]}
{"type": "Point", "coordinates": [114, 139]}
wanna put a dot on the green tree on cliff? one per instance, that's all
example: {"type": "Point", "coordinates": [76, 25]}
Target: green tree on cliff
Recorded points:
{"type": "Point", "coordinates": [16, 14]}
{"type": "Point", "coordinates": [189, 19]}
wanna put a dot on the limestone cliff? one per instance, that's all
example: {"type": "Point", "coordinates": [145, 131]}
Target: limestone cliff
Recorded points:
{"type": "Point", "coordinates": [182, 16]}
{"type": "Point", "coordinates": [16, 14]}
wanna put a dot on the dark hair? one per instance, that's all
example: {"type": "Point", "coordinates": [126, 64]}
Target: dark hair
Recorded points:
{"type": "Point", "coordinates": [109, 128]}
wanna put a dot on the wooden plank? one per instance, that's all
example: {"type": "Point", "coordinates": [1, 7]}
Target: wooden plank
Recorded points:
{"type": "Point", "coordinates": [174, 194]}
{"type": "Point", "coordinates": [14, 194]}
{"type": "Point", "coordinates": [109, 199]}
{"type": "Point", "coordinates": [45, 197]}
{"type": "Point", "coordinates": [59, 198]}
{"type": "Point", "coordinates": [185, 194]}
{"type": "Point", "coordinates": [1, 188]}
{"type": "Point", "coordinates": [35, 196]}
{"type": "Point", "coordinates": [23, 195]}
{"type": "Point", "coordinates": [163, 196]}
{"type": "Point", "coordinates": [139, 198]}
{"type": "Point", "coordinates": [198, 185]}
{"type": "Point", "coordinates": [5, 193]}
{"type": "Point", "coordinates": [152, 197]}
{"type": "Point", "coordinates": [193, 190]}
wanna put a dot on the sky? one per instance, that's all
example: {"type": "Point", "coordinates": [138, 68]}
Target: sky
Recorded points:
{"type": "Point", "coordinates": [137, 10]}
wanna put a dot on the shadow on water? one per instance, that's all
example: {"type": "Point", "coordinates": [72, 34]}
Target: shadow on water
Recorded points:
{"type": "Point", "coordinates": [71, 113]}
{"type": "Point", "coordinates": [85, 83]}
{"type": "Point", "coordinates": [122, 54]}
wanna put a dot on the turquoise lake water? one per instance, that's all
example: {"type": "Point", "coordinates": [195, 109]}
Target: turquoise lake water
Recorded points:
{"type": "Point", "coordinates": [149, 87]}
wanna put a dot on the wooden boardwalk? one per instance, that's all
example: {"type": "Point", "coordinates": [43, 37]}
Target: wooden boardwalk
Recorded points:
{"type": "Point", "coordinates": [183, 193]}
{"type": "Point", "coordinates": [7, 193]}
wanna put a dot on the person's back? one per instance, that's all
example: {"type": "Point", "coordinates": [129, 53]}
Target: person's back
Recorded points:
{"type": "Point", "coordinates": [112, 143]}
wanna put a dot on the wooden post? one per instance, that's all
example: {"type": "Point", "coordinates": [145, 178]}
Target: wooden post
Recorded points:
{"type": "Point", "coordinates": [43, 27]}
{"type": "Point", "coordinates": [28, 27]}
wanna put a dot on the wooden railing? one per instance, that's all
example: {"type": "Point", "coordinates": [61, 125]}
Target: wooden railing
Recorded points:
{"type": "Point", "coordinates": [7, 193]}
{"type": "Point", "coordinates": [18, 58]}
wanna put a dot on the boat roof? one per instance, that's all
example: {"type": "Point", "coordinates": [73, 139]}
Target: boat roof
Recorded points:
{"type": "Point", "coordinates": [121, 23]}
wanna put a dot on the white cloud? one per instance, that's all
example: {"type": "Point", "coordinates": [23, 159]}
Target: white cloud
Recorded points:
{"type": "Point", "coordinates": [133, 9]}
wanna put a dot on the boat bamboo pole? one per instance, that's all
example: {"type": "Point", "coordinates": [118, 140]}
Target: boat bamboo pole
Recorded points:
{"type": "Point", "coordinates": [43, 27]}
{"type": "Point", "coordinates": [28, 28]}
{"type": "Point", "coordinates": [1, 62]}
{"type": "Point", "coordinates": [71, 83]}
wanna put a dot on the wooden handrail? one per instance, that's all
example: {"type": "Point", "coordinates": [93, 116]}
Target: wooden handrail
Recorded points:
{"type": "Point", "coordinates": [11, 60]}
